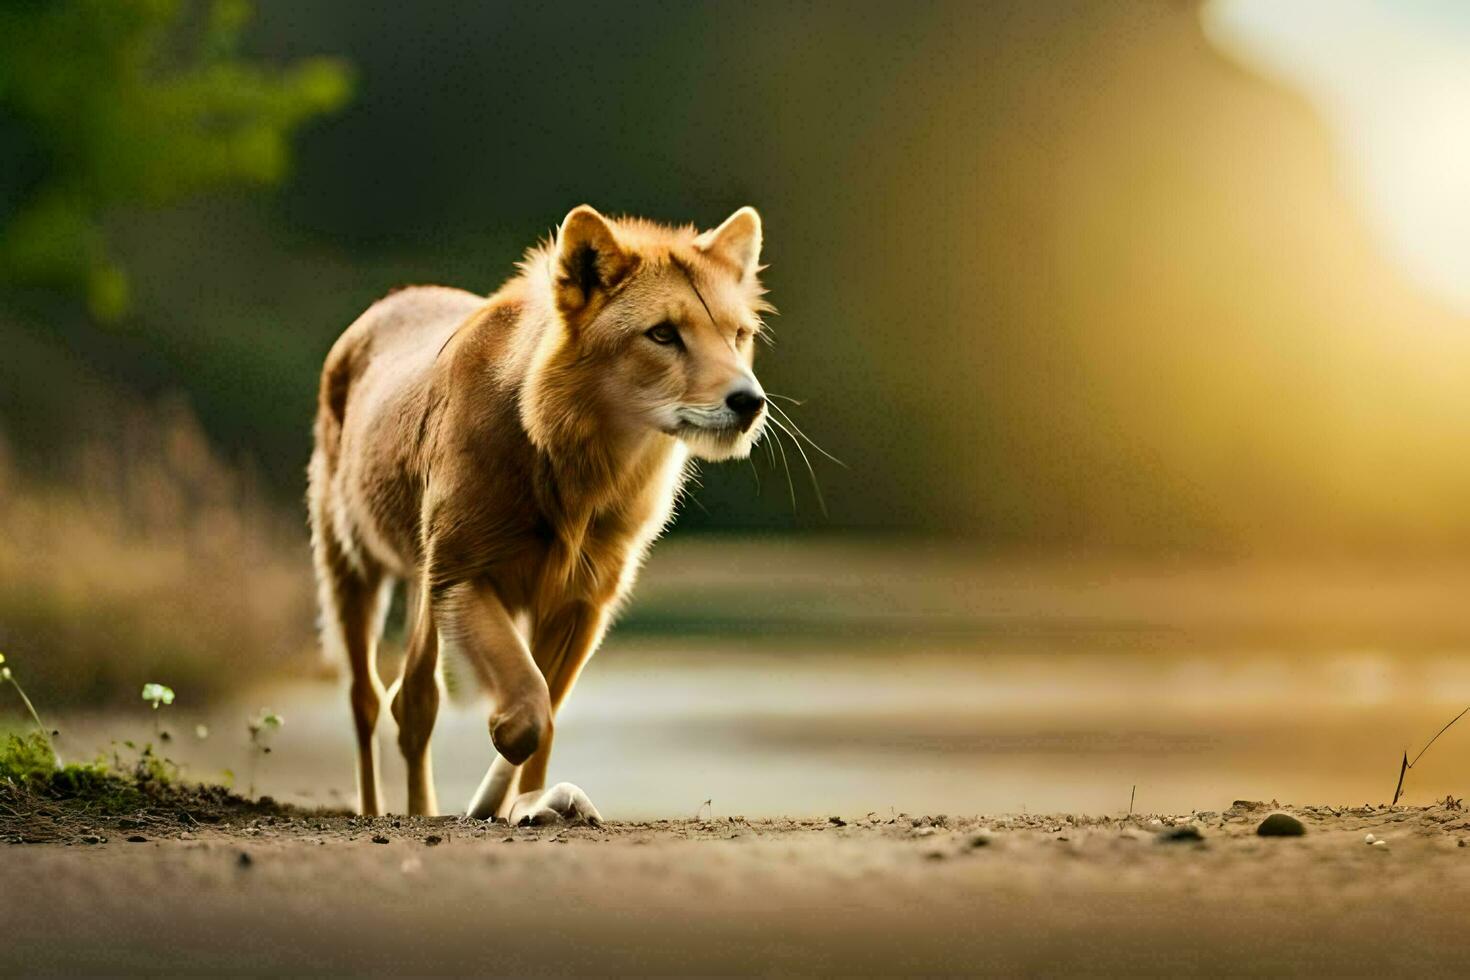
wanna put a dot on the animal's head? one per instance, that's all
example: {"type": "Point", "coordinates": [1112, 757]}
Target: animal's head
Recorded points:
{"type": "Point", "coordinates": [659, 326]}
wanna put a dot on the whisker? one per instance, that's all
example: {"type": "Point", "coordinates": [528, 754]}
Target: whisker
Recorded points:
{"type": "Point", "coordinates": [810, 441]}
{"type": "Point", "coordinates": [770, 453]}
{"type": "Point", "coordinates": [790, 486]}
{"type": "Point", "coordinates": [785, 398]}
{"type": "Point", "coordinates": [811, 473]}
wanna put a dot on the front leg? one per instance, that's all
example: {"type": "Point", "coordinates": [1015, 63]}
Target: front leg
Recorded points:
{"type": "Point", "coordinates": [471, 617]}
{"type": "Point", "coordinates": [562, 645]}
{"type": "Point", "coordinates": [499, 797]}
{"type": "Point", "coordinates": [564, 801]}
{"type": "Point", "coordinates": [495, 790]}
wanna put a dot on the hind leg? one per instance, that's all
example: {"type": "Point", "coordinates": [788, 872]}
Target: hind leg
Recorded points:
{"type": "Point", "coordinates": [416, 705]}
{"type": "Point", "coordinates": [360, 600]}
{"type": "Point", "coordinates": [352, 605]}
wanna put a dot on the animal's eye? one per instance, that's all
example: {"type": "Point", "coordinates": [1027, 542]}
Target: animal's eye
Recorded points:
{"type": "Point", "coordinates": [664, 333]}
{"type": "Point", "coordinates": [741, 336]}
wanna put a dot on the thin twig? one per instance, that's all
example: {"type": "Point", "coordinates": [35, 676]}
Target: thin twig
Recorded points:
{"type": "Point", "coordinates": [1407, 765]}
{"type": "Point", "coordinates": [1399, 789]}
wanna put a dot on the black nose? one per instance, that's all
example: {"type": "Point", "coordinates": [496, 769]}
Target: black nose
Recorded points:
{"type": "Point", "coordinates": [746, 404]}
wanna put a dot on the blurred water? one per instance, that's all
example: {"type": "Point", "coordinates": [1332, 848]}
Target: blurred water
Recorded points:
{"type": "Point", "coordinates": [654, 729]}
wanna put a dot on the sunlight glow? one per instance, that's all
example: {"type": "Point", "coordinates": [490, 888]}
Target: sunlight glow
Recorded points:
{"type": "Point", "coordinates": [1392, 80]}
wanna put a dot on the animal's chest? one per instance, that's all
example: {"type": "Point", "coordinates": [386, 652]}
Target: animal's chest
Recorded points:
{"type": "Point", "coordinates": [593, 557]}
{"type": "Point", "coordinates": [594, 567]}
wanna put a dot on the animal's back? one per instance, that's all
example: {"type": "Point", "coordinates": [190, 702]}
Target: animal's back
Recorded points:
{"type": "Point", "coordinates": [392, 342]}
{"type": "Point", "coordinates": [374, 391]}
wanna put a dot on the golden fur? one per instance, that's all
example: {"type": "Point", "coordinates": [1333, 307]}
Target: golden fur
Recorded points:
{"type": "Point", "coordinates": [511, 459]}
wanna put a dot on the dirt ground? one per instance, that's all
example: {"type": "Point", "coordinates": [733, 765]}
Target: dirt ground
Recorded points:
{"type": "Point", "coordinates": [232, 889]}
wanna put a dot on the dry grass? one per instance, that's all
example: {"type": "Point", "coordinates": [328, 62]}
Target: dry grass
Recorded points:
{"type": "Point", "coordinates": [148, 558]}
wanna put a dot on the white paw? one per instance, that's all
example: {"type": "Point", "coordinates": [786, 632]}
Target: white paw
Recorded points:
{"type": "Point", "coordinates": [561, 802]}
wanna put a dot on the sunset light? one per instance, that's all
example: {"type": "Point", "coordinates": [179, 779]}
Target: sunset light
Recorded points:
{"type": "Point", "coordinates": [1392, 81]}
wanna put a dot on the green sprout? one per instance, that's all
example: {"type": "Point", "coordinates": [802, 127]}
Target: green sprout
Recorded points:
{"type": "Point", "coordinates": [260, 728]}
{"type": "Point", "coordinates": [7, 677]}
{"type": "Point", "coordinates": [158, 694]}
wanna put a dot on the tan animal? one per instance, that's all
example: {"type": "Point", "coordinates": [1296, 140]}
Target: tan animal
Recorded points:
{"type": "Point", "coordinates": [510, 459]}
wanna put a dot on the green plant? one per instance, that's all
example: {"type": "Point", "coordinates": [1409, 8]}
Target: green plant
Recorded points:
{"type": "Point", "coordinates": [28, 765]}
{"type": "Point", "coordinates": [143, 766]}
{"type": "Point", "coordinates": [24, 758]}
{"type": "Point", "coordinates": [158, 694]}
{"type": "Point", "coordinates": [6, 676]}
{"type": "Point", "coordinates": [260, 728]}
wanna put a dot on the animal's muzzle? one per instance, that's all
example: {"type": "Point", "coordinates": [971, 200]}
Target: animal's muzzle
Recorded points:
{"type": "Point", "coordinates": [746, 403]}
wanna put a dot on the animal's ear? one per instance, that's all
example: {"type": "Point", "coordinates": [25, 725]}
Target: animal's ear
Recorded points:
{"type": "Point", "coordinates": [737, 242]}
{"type": "Point", "coordinates": [589, 259]}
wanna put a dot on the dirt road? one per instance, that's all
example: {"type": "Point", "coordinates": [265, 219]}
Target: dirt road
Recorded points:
{"type": "Point", "coordinates": [886, 893]}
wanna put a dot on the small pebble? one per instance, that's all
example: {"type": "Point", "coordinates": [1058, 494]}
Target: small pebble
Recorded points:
{"type": "Point", "coordinates": [379, 839]}
{"type": "Point", "coordinates": [837, 821]}
{"type": "Point", "coordinates": [1379, 843]}
{"type": "Point", "coordinates": [433, 839]}
{"type": "Point", "coordinates": [245, 860]}
{"type": "Point", "coordinates": [982, 839]}
{"type": "Point", "coordinates": [137, 839]}
{"type": "Point", "coordinates": [1369, 839]}
{"type": "Point", "coordinates": [1281, 825]}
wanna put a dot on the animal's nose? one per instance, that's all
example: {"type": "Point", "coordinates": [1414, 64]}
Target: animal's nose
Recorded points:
{"type": "Point", "coordinates": [746, 403]}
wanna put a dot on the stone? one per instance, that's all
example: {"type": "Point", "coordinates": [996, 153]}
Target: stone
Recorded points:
{"type": "Point", "coordinates": [1281, 825]}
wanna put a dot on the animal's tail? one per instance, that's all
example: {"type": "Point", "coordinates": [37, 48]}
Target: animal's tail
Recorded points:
{"type": "Point", "coordinates": [330, 539]}
{"type": "Point", "coordinates": [337, 375]}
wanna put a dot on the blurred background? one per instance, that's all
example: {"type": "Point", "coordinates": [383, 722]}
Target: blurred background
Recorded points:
{"type": "Point", "coordinates": [1143, 331]}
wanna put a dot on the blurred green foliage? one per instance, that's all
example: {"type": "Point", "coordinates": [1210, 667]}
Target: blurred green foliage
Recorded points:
{"type": "Point", "coordinates": [136, 103]}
